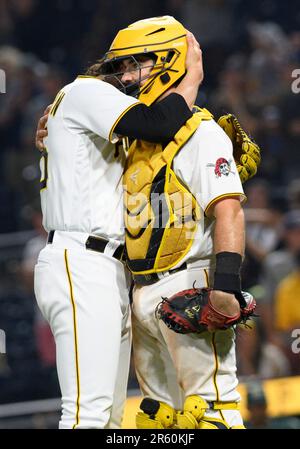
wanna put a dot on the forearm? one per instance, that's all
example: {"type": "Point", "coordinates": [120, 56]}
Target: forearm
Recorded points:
{"type": "Point", "coordinates": [229, 245]}
{"type": "Point", "coordinates": [156, 123]}
{"type": "Point", "coordinates": [229, 232]}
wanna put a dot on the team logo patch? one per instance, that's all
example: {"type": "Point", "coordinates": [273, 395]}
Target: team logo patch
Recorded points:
{"type": "Point", "coordinates": [222, 167]}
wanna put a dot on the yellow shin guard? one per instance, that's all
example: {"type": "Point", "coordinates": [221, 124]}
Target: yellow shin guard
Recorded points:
{"type": "Point", "coordinates": [193, 410]}
{"type": "Point", "coordinates": [155, 415]}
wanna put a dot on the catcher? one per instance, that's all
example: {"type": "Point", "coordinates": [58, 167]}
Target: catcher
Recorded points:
{"type": "Point", "coordinates": [184, 227]}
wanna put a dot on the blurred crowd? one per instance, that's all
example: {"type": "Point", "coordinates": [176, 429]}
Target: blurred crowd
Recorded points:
{"type": "Point", "coordinates": [250, 51]}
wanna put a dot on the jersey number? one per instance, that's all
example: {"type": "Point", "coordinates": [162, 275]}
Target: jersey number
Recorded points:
{"type": "Point", "coordinates": [44, 169]}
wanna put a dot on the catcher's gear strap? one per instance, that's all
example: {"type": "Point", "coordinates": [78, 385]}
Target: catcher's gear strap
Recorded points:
{"type": "Point", "coordinates": [217, 405]}
{"type": "Point", "coordinates": [157, 238]}
{"type": "Point", "coordinates": [194, 410]}
{"type": "Point", "coordinates": [156, 123]}
{"type": "Point", "coordinates": [196, 403]}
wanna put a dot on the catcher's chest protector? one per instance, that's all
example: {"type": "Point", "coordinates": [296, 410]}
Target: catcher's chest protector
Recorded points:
{"type": "Point", "coordinates": [161, 213]}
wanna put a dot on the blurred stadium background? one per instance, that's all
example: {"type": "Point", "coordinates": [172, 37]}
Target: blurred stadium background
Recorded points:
{"type": "Point", "coordinates": [251, 55]}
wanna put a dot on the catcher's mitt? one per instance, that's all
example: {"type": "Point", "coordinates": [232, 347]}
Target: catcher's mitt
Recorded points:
{"type": "Point", "coordinates": [245, 151]}
{"type": "Point", "coordinates": [190, 311]}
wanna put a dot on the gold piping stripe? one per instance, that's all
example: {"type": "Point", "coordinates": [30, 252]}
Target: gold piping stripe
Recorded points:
{"type": "Point", "coordinates": [226, 195]}
{"type": "Point", "coordinates": [57, 104]}
{"type": "Point", "coordinates": [207, 278]}
{"type": "Point", "coordinates": [75, 338]}
{"type": "Point", "coordinates": [54, 102]}
{"type": "Point", "coordinates": [119, 118]}
{"type": "Point", "coordinates": [44, 180]}
{"type": "Point", "coordinates": [88, 76]}
{"type": "Point", "coordinates": [213, 340]}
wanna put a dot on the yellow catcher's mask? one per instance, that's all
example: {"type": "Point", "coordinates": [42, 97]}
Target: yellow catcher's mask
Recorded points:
{"type": "Point", "coordinates": [164, 40]}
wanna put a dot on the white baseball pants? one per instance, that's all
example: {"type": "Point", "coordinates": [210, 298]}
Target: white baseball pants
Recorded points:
{"type": "Point", "coordinates": [172, 366]}
{"type": "Point", "coordinates": [84, 296]}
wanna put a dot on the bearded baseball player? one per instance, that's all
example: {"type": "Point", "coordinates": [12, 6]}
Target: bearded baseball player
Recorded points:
{"type": "Point", "coordinates": [81, 284]}
{"type": "Point", "coordinates": [185, 237]}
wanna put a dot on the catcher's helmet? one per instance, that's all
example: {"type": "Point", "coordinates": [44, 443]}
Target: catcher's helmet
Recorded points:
{"type": "Point", "coordinates": [162, 39]}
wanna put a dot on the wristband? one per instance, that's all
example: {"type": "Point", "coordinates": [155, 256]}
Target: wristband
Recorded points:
{"type": "Point", "coordinates": [227, 275]}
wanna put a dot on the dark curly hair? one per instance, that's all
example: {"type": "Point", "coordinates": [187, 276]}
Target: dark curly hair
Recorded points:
{"type": "Point", "coordinates": [95, 69]}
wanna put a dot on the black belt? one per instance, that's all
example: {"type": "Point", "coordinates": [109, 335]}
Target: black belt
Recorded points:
{"type": "Point", "coordinates": [148, 279]}
{"type": "Point", "coordinates": [96, 244]}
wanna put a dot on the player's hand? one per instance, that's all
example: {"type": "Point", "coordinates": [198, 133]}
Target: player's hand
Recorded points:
{"type": "Point", "coordinates": [41, 131]}
{"type": "Point", "coordinates": [225, 303]}
{"type": "Point", "coordinates": [193, 61]}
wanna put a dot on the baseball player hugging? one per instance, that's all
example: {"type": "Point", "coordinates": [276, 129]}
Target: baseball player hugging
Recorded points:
{"type": "Point", "coordinates": [184, 231]}
{"type": "Point", "coordinates": [81, 283]}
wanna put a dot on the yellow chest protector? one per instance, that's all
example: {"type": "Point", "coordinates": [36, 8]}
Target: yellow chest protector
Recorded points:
{"type": "Point", "coordinates": [161, 214]}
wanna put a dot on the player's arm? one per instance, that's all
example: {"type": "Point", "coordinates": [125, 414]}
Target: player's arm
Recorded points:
{"type": "Point", "coordinates": [156, 123]}
{"type": "Point", "coordinates": [221, 198]}
{"type": "Point", "coordinates": [229, 246]}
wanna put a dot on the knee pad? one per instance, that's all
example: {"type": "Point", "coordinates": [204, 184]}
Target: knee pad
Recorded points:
{"type": "Point", "coordinates": [193, 410]}
{"type": "Point", "coordinates": [155, 415]}
{"type": "Point", "coordinates": [185, 420]}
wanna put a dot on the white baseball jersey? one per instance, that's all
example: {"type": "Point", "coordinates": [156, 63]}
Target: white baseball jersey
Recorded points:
{"type": "Point", "coordinates": [206, 165]}
{"type": "Point", "coordinates": [83, 294]}
{"type": "Point", "coordinates": [81, 174]}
